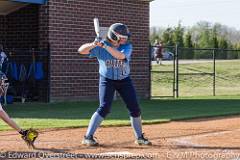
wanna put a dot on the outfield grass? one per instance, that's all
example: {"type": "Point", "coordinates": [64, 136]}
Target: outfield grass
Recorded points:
{"type": "Point", "coordinates": [191, 104]}
{"type": "Point", "coordinates": [77, 114]}
{"type": "Point", "coordinates": [227, 79]}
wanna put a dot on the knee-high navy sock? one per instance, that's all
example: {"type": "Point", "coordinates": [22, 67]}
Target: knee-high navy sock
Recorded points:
{"type": "Point", "coordinates": [136, 123]}
{"type": "Point", "coordinates": [94, 124]}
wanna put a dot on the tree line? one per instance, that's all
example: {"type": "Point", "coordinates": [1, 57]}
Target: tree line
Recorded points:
{"type": "Point", "coordinates": [202, 35]}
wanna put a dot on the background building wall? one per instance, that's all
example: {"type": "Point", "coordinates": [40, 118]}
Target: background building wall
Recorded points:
{"type": "Point", "coordinates": [62, 26]}
{"type": "Point", "coordinates": [74, 76]}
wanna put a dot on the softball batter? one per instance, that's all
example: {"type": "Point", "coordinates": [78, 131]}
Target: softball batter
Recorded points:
{"type": "Point", "coordinates": [114, 56]}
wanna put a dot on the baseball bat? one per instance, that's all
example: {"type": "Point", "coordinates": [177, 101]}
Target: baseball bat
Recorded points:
{"type": "Point", "coordinates": [96, 27]}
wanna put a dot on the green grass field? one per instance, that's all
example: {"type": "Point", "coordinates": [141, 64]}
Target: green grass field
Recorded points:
{"type": "Point", "coordinates": [194, 102]}
{"type": "Point", "coordinates": [227, 79]}
{"type": "Point", "coordinates": [77, 114]}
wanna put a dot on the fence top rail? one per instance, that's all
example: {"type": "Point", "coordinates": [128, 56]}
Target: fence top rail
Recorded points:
{"type": "Point", "coordinates": [210, 49]}
{"type": "Point", "coordinates": [219, 49]}
{"type": "Point", "coordinates": [196, 73]}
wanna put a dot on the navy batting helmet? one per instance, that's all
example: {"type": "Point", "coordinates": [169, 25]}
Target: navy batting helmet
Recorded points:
{"type": "Point", "coordinates": [117, 31]}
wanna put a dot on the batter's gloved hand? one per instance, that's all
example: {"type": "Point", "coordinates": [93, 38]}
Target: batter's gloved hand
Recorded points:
{"type": "Point", "coordinates": [29, 136]}
{"type": "Point", "coordinates": [98, 41]}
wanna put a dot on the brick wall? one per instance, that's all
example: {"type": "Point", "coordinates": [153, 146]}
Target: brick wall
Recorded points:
{"type": "Point", "coordinates": [70, 24]}
{"type": "Point", "coordinates": [63, 25]}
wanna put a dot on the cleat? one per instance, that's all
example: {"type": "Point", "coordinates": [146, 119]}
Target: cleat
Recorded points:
{"type": "Point", "coordinates": [143, 141]}
{"type": "Point", "coordinates": [89, 141]}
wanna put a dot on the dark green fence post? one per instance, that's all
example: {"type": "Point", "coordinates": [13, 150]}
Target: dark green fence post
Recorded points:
{"type": "Point", "coordinates": [174, 74]}
{"type": "Point", "coordinates": [214, 73]}
{"type": "Point", "coordinates": [176, 78]}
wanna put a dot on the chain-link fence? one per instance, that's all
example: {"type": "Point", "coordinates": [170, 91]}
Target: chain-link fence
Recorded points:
{"type": "Point", "coordinates": [195, 72]}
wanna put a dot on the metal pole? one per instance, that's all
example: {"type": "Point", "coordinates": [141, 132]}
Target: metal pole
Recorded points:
{"type": "Point", "coordinates": [150, 69]}
{"type": "Point", "coordinates": [214, 73]}
{"type": "Point", "coordinates": [176, 73]}
{"type": "Point", "coordinates": [49, 72]}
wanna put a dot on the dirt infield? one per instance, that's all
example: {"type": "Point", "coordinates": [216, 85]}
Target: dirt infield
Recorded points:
{"type": "Point", "coordinates": [192, 140]}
